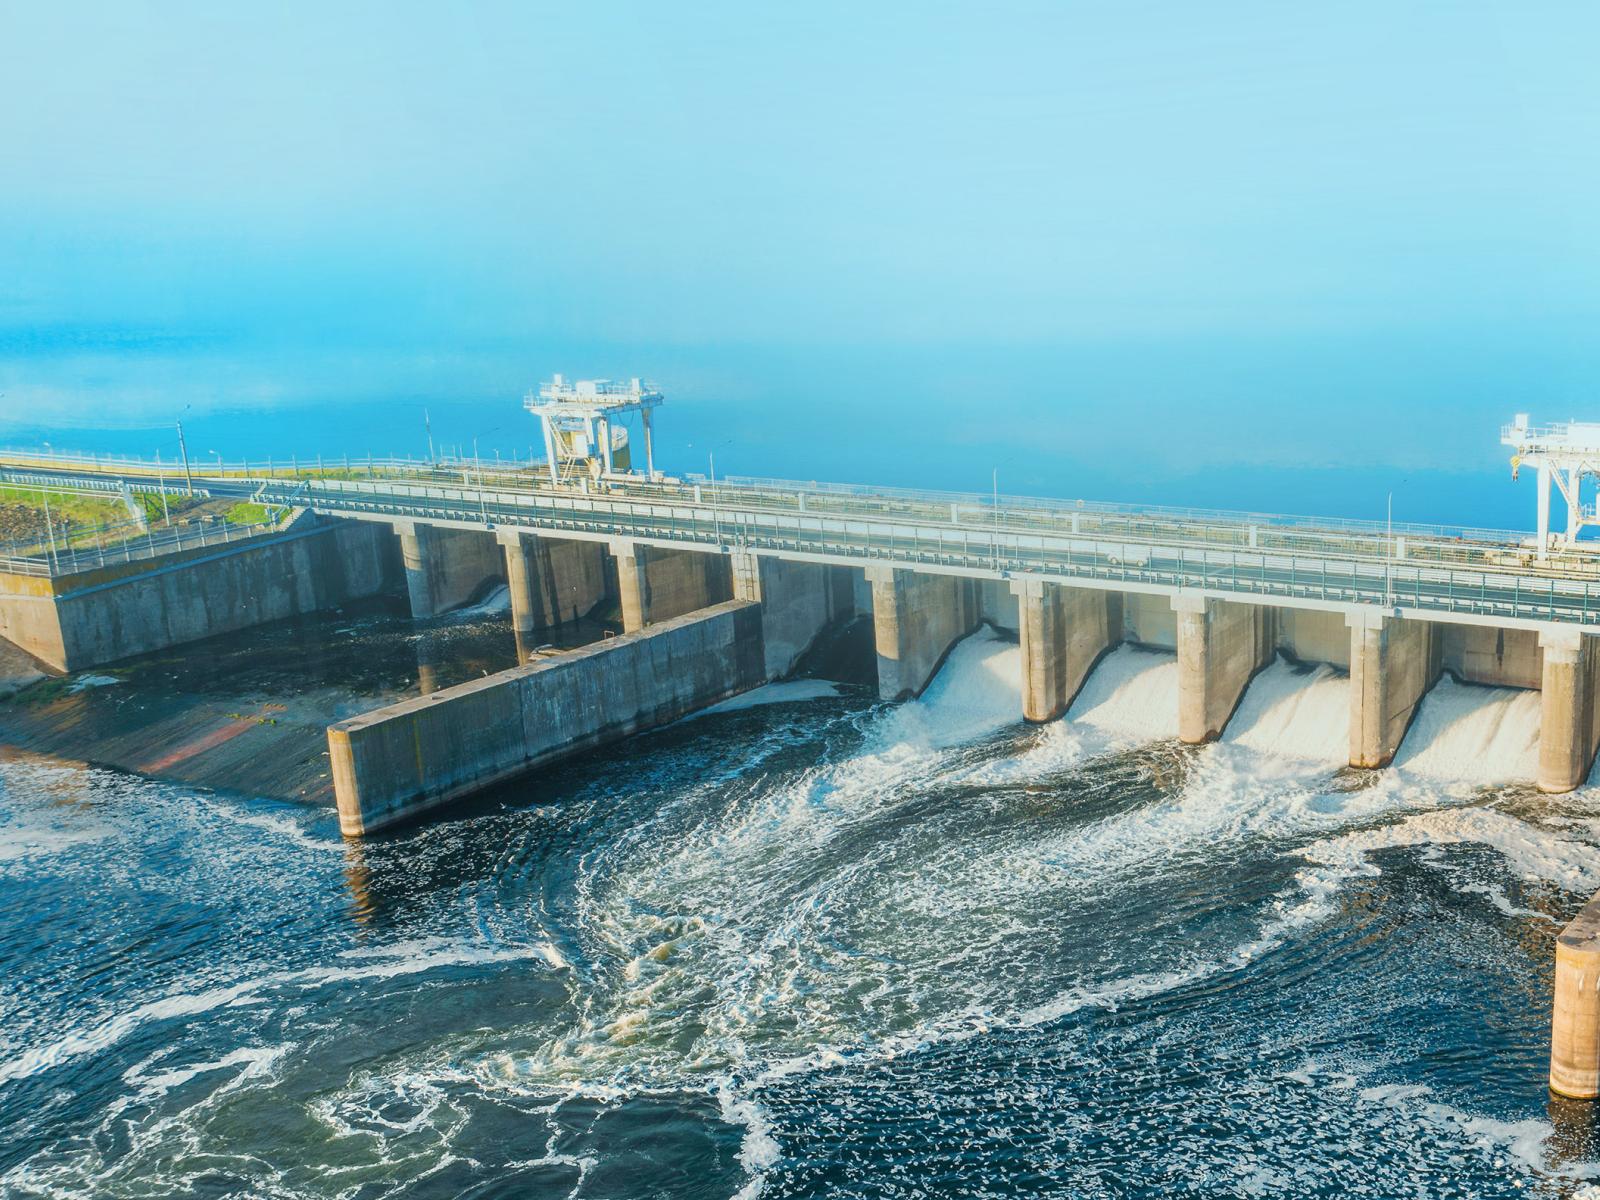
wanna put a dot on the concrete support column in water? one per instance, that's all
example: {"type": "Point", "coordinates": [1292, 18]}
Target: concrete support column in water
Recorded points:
{"type": "Point", "coordinates": [528, 569]}
{"type": "Point", "coordinates": [1064, 632]}
{"type": "Point", "coordinates": [1575, 1022]}
{"type": "Point", "coordinates": [1221, 645]}
{"type": "Point", "coordinates": [632, 586]}
{"type": "Point", "coordinates": [416, 548]}
{"type": "Point", "coordinates": [1569, 719]}
{"type": "Point", "coordinates": [1393, 663]}
{"type": "Point", "coordinates": [916, 618]}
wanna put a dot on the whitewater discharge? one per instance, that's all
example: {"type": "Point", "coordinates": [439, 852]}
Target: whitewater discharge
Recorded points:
{"type": "Point", "coordinates": [900, 890]}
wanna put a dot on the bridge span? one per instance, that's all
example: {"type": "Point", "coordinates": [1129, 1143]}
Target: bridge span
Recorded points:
{"type": "Point", "coordinates": [1394, 605]}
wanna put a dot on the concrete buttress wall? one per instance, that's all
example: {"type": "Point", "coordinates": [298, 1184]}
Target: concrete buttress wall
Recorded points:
{"type": "Point", "coordinates": [1064, 632]}
{"type": "Point", "coordinates": [1221, 645]}
{"type": "Point", "coordinates": [394, 764]}
{"type": "Point", "coordinates": [798, 600]}
{"type": "Point", "coordinates": [1569, 717]}
{"type": "Point", "coordinates": [916, 618]}
{"type": "Point", "coordinates": [1393, 663]}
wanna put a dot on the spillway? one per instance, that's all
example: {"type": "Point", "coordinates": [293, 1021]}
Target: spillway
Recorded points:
{"type": "Point", "coordinates": [1132, 695]}
{"type": "Point", "coordinates": [1472, 734]}
{"type": "Point", "coordinates": [1297, 712]}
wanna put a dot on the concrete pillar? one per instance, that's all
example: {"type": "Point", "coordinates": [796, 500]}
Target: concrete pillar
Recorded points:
{"type": "Point", "coordinates": [445, 567]}
{"type": "Point", "coordinates": [1221, 645]}
{"type": "Point", "coordinates": [1064, 632]}
{"type": "Point", "coordinates": [1567, 710]}
{"type": "Point", "coordinates": [1575, 1023]}
{"type": "Point", "coordinates": [1393, 663]}
{"type": "Point", "coordinates": [416, 548]}
{"type": "Point", "coordinates": [916, 618]}
{"type": "Point", "coordinates": [632, 564]}
{"type": "Point", "coordinates": [529, 574]}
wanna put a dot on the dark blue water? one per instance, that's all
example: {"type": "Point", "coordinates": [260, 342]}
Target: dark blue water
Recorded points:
{"type": "Point", "coordinates": [810, 948]}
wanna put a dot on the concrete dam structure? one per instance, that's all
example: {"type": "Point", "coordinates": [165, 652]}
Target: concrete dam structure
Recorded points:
{"type": "Point", "coordinates": [720, 586]}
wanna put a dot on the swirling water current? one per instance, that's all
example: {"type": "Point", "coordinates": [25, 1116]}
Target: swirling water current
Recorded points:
{"type": "Point", "coordinates": [818, 946]}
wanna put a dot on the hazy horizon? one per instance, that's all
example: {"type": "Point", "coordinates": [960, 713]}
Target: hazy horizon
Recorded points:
{"type": "Point", "coordinates": [1293, 261]}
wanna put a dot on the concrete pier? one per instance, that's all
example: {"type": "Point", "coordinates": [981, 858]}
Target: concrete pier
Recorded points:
{"type": "Point", "coordinates": [1393, 663]}
{"type": "Point", "coordinates": [656, 583]}
{"type": "Point", "coordinates": [1575, 1023]}
{"type": "Point", "coordinates": [798, 600]}
{"type": "Point", "coordinates": [916, 618]}
{"type": "Point", "coordinates": [1569, 720]}
{"type": "Point", "coordinates": [1221, 645]}
{"type": "Point", "coordinates": [1064, 632]}
{"type": "Point", "coordinates": [397, 763]}
{"type": "Point", "coordinates": [445, 567]}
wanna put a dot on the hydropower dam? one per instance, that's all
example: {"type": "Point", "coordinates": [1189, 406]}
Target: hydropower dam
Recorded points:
{"type": "Point", "coordinates": [722, 586]}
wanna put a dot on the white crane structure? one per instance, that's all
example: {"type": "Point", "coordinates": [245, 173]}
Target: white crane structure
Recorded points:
{"type": "Point", "coordinates": [1565, 453]}
{"type": "Point", "coordinates": [581, 422]}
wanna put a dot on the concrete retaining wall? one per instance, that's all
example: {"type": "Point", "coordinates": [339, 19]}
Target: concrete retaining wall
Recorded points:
{"type": "Point", "coordinates": [997, 604]}
{"type": "Point", "coordinates": [1569, 709]}
{"type": "Point", "coordinates": [113, 612]}
{"type": "Point", "coordinates": [391, 765]}
{"type": "Point", "coordinates": [916, 618]}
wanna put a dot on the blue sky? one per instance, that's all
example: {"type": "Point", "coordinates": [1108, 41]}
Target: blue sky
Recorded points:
{"type": "Point", "coordinates": [1140, 250]}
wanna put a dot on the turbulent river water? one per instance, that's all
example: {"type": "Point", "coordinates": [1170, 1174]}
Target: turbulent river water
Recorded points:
{"type": "Point", "coordinates": [814, 945]}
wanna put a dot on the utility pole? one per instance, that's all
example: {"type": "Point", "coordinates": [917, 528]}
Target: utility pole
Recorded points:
{"type": "Point", "coordinates": [428, 425]}
{"type": "Point", "coordinates": [716, 520]}
{"type": "Point", "coordinates": [188, 479]}
{"type": "Point", "coordinates": [997, 518]}
{"type": "Point", "coordinates": [1388, 553]}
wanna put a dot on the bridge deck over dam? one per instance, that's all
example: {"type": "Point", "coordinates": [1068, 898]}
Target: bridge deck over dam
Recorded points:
{"type": "Point", "coordinates": [1395, 606]}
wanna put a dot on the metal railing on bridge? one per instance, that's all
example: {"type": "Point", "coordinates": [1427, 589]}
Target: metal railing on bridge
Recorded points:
{"type": "Point", "coordinates": [85, 548]}
{"type": "Point", "coordinates": [1487, 572]}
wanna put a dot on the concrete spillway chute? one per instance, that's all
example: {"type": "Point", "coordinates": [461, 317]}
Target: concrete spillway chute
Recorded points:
{"type": "Point", "coordinates": [582, 423]}
{"type": "Point", "coordinates": [1565, 453]}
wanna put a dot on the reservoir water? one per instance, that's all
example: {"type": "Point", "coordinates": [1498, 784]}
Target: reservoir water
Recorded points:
{"type": "Point", "coordinates": [806, 945]}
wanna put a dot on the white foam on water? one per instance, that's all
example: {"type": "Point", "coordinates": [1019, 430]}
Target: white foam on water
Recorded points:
{"type": "Point", "coordinates": [496, 602]}
{"type": "Point", "coordinates": [1533, 853]}
{"type": "Point", "coordinates": [1295, 713]}
{"type": "Point", "coordinates": [84, 682]}
{"type": "Point", "coordinates": [404, 958]}
{"type": "Point", "coordinates": [279, 824]}
{"type": "Point", "coordinates": [1132, 694]}
{"type": "Point", "coordinates": [775, 693]}
{"type": "Point", "coordinates": [977, 691]}
{"type": "Point", "coordinates": [1469, 733]}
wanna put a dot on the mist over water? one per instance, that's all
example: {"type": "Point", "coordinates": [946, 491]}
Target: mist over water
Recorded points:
{"type": "Point", "coordinates": [818, 944]}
